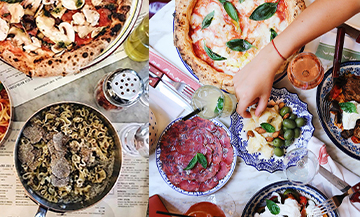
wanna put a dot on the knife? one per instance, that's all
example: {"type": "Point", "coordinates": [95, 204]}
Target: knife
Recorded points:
{"type": "Point", "coordinates": [337, 182]}
{"type": "Point", "coordinates": [351, 31]}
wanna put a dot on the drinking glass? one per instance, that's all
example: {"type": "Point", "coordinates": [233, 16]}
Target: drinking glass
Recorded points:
{"type": "Point", "coordinates": [213, 102]}
{"type": "Point", "coordinates": [300, 166]}
{"type": "Point", "coordinates": [135, 139]}
{"type": "Point", "coordinates": [305, 71]}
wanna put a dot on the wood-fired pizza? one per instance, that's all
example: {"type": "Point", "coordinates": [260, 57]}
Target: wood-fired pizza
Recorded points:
{"type": "Point", "coordinates": [58, 37]}
{"type": "Point", "coordinates": [217, 38]}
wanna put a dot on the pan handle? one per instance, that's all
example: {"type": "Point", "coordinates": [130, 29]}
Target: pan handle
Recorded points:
{"type": "Point", "coordinates": [41, 212]}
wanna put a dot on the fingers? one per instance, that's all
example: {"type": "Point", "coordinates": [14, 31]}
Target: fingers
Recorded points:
{"type": "Point", "coordinates": [263, 101]}
{"type": "Point", "coordinates": [241, 108]}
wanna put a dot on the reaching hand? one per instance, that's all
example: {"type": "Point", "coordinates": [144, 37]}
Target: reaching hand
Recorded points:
{"type": "Point", "coordinates": [253, 83]}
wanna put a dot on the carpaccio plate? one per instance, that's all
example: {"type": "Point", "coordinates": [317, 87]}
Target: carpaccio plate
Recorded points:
{"type": "Point", "coordinates": [221, 183]}
{"type": "Point", "coordinates": [279, 187]}
{"type": "Point", "coordinates": [239, 138]}
{"type": "Point", "coordinates": [333, 132]}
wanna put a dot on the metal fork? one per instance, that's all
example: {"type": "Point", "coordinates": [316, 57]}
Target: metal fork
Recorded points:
{"type": "Point", "coordinates": [326, 101]}
{"type": "Point", "coordinates": [329, 205]}
{"type": "Point", "coordinates": [181, 87]}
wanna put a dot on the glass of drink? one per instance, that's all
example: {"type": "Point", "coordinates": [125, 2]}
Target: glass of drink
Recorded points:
{"type": "Point", "coordinates": [300, 166]}
{"type": "Point", "coordinates": [137, 45]}
{"type": "Point", "coordinates": [305, 71]}
{"type": "Point", "coordinates": [205, 209]}
{"type": "Point", "coordinates": [213, 102]}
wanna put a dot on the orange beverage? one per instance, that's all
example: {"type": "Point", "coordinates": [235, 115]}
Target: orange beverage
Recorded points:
{"type": "Point", "coordinates": [305, 71]}
{"type": "Point", "coordinates": [205, 209]}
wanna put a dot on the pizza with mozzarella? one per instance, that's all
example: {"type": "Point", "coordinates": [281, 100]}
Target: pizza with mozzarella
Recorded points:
{"type": "Point", "coordinates": [58, 37]}
{"type": "Point", "coordinates": [217, 38]}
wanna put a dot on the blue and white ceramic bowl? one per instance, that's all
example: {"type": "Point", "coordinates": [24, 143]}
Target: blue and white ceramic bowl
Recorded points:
{"type": "Point", "coordinates": [333, 132]}
{"type": "Point", "coordinates": [259, 198]}
{"type": "Point", "coordinates": [239, 138]}
{"type": "Point", "coordinates": [222, 182]}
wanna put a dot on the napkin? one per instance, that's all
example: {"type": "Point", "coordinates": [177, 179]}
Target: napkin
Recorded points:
{"type": "Point", "coordinates": [325, 50]}
{"type": "Point", "coordinates": [319, 149]}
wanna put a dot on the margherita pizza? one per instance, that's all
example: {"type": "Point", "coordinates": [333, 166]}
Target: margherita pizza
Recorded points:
{"type": "Point", "coordinates": [217, 38]}
{"type": "Point", "coordinates": [57, 37]}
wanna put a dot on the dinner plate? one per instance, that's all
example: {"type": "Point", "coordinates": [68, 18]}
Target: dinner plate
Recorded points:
{"type": "Point", "coordinates": [333, 132]}
{"type": "Point", "coordinates": [222, 182]}
{"type": "Point", "coordinates": [279, 187]}
{"type": "Point", "coordinates": [239, 138]}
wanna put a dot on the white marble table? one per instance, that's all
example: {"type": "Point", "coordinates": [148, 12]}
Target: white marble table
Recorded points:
{"type": "Point", "coordinates": [246, 180]}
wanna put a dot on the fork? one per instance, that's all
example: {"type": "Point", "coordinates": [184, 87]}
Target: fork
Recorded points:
{"type": "Point", "coordinates": [181, 87]}
{"type": "Point", "coordinates": [329, 205]}
{"type": "Point", "coordinates": [326, 101]}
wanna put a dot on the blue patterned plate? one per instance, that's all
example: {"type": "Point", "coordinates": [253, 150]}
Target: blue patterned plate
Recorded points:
{"type": "Point", "coordinates": [222, 182]}
{"type": "Point", "coordinates": [259, 198]}
{"type": "Point", "coordinates": [239, 138]}
{"type": "Point", "coordinates": [346, 145]}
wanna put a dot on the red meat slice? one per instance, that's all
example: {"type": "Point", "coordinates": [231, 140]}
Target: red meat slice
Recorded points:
{"type": "Point", "coordinates": [228, 151]}
{"type": "Point", "coordinates": [224, 170]}
{"type": "Point", "coordinates": [208, 184]}
{"type": "Point", "coordinates": [208, 173]}
{"type": "Point", "coordinates": [189, 185]}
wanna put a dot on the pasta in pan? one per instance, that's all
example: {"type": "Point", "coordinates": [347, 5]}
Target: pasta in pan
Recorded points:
{"type": "Point", "coordinates": [66, 153]}
{"type": "Point", "coordinates": [5, 110]}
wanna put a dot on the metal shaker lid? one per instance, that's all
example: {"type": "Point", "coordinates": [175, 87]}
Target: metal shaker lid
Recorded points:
{"type": "Point", "coordinates": [123, 87]}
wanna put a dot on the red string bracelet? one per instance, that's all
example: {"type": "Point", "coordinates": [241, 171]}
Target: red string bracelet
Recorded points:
{"type": "Point", "coordinates": [272, 41]}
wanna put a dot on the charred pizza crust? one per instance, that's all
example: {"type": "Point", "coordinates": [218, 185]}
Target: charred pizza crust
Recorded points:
{"type": "Point", "coordinates": [44, 63]}
{"type": "Point", "coordinates": [206, 73]}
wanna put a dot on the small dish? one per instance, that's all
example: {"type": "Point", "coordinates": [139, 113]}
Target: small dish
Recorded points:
{"type": "Point", "coordinates": [306, 190]}
{"type": "Point", "coordinates": [333, 132]}
{"type": "Point", "coordinates": [239, 138]}
{"type": "Point", "coordinates": [221, 183]}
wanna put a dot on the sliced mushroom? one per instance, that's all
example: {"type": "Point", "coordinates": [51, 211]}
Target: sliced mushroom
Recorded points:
{"type": "Point", "coordinates": [36, 44]}
{"type": "Point", "coordinates": [96, 2]}
{"type": "Point", "coordinates": [73, 4]}
{"type": "Point", "coordinates": [58, 11]}
{"type": "Point", "coordinates": [20, 37]}
{"type": "Point", "coordinates": [4, 29]}
{"type": "Point", "coordinates": [68, 31]}
{"type": "Point", "coordinates": [16, 11]}
{"type": "Point", "coordinates": [48, 2]}
{"type": "Point", "coordinates": [31, 6]}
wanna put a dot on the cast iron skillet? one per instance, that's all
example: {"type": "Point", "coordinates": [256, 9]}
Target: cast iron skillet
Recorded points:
{"type": "Point", "coordinates": [45, 205]}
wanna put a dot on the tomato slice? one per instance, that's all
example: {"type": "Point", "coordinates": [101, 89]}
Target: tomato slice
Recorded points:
{"type": "Point", "coordinates": [82, 41]}
{"type": "Point", "coordinates": [355, 139]}
{"type": "Point", "coordinates": [104, 17]}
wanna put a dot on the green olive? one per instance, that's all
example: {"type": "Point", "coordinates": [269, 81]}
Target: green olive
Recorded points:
{"type": "Point", "coordinates": [288, 142]}
{"type": "Point", "coordinates": [300, 122]}
{"type": "Point", "coordinates": [289, 124]}
{"type": "Point", "coordinates": [285, 110]}
{"type": "Point", "coordinates": [284, 129]}
{"type": "Point", "coordinates": [289, 134]}
{"type": "Point", "coordinates": [277, 142]}
{"type": "Point", "coordinates": [293, 192]}
{"type": "Point", "coordinates": [297, 132]}
{"type": "Point", "coordinates": [292, 116]}
{"type": "Point", "coordinates": [278, 151]}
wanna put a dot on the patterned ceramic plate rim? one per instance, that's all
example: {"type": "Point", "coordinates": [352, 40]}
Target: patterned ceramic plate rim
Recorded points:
{"type": "Point", "coordinates": [222, 182]}
{"type": "Point", "coordinates": [342, 144]}
{"type": "Point", "coordinates": [274, 163]}
{"type": "Point", "coordinates": [259, 197]}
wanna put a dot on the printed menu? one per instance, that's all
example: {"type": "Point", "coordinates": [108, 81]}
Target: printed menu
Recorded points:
{"type": "Point", "coordinates": [23, 88]}
{"type": "Point", "coordinates": [129, 197]}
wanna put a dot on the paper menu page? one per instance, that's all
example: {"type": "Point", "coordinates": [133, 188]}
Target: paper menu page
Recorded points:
{"type": "Point", "coordinates": [129, 197]}
{"type": "Point", "coordinates": [23, 88]}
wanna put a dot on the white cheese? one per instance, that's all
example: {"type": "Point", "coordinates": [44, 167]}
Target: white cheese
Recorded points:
{"type": "Point", "coordinates": [4, 29]}
{"type": "Point", "coordinates": [290, 208]}
{"type": "Point", "coordinates": [36, 44]}
{"type": "Point", "coordinates": [16, 11]}
{"type": "Point", "coordinates": [349, 119]}
{"type": "Point", "coordinates": [78, 18]}
{"type": "Point", "coordinates": [83, 31]}
{"type": "Point", "coordinates": [73, 4]}
{"type": "Point", "coordinates": [91, 16]}
{"type": "Point", "coordinates": [96, 2]}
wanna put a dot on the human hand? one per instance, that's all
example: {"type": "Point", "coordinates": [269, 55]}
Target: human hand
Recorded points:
{"type": "Point", "coordinates": [254, 82]}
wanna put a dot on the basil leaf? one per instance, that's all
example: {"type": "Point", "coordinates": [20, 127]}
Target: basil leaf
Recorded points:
{"type": "Point", "coordinates": [11, 1]}
{"type": "Point", "coordinates": [192, 163]}
{"type": "Point", "coordinates": [207, 20]}
{"type": "Point", "coordinates": [1, 86]}
{"type": "Point", "coordinates": [239, 45]}
{"type": "Point", "coordinates": [268, 127]}
{"type": "Point", "coordinates": [219, 105]}
{"type": "Point", "coordinates": [214, 56]}
{"type": "Point", "coordinates": [202, 160]}
{"type": "Point", "coordinates": [273, 207]}
{"type": "Point", "coordinates": [273, 34]}
{"type": "Point", "coordinates": [241, 1]}
{"type": "Point", "coordinates": [348, 107]}
{"type": "Point", "coordinates": [264, 11]}
{"type": "Point", "coordinates": [231, 11]}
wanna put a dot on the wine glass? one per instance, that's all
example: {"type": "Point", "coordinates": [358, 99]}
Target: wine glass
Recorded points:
{"type": "Point", "coordinates": [300, 166]}
{"type": "Point", "coordinates": [135, 139]}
